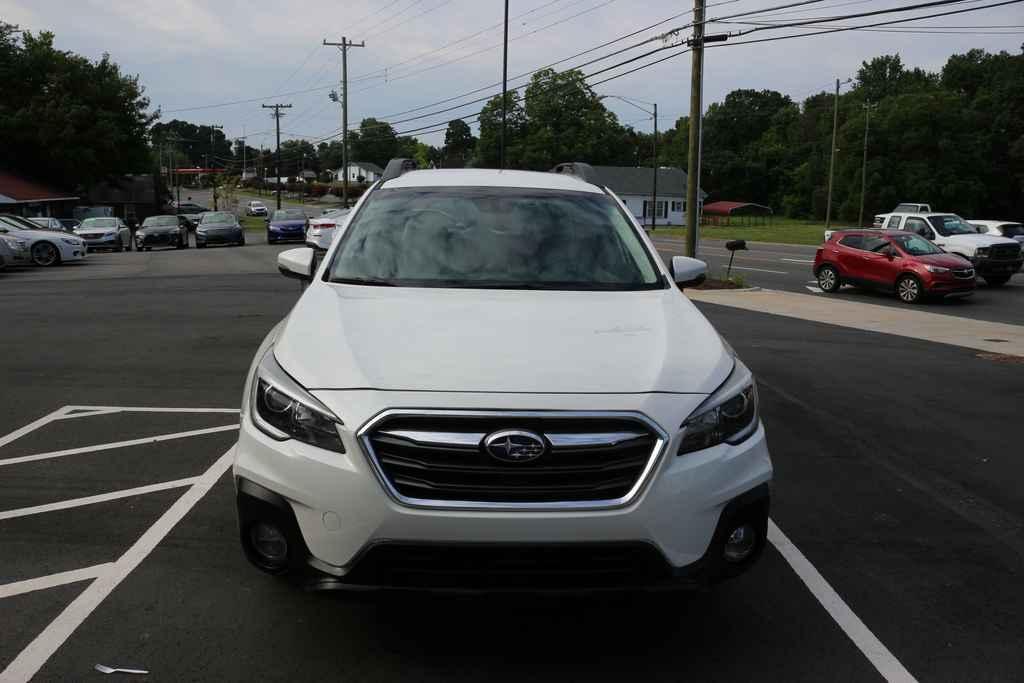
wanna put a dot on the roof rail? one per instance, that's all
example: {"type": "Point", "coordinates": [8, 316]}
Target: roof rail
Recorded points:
{"type": "Point", "coordinates": [397, 167]}
{"type": "Point", "coordinates": [584, 172]}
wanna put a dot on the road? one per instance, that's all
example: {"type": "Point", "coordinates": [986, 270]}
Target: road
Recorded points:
{"type": "Point", "coordinates": [897, 477]}
{"type": "Point", "coordinates": [788, 267]}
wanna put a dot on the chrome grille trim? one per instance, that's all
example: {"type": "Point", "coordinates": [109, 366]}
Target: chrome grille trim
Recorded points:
{"type": "Point", "coordinates": [660, 442]}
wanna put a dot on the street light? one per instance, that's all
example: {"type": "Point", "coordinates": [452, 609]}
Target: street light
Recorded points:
{"type": "Point", "coordinates": [654, 151]}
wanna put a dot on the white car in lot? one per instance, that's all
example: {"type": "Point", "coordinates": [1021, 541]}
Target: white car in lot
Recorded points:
{"type": "Point", "coordinates": [492, 380]}
{"type": "Point", "coordinates": [1014, 231]}
{"type": "Point", "coordinates": [325, 228]}
{"type": "Point", "coordinates": [105, 233]}
{"type": "Point", "coordinates": [255, 208]}
{"type": "Point", "coordinates": [995, 258]}
{"type": "Point", "coordinates": [45, 247]}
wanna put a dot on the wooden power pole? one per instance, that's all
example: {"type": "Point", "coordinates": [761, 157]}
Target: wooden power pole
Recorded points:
{"type": "Point", "coordinates": [277, 120]}
{"type": "Point", "coordinates": [344, 45]}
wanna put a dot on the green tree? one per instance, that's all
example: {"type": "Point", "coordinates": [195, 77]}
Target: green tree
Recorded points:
{"type": "Point", "coordinates": [487, 147]}
{"type": "Point", "coordinates": [375, 141]}
{"type": "Point", "coordinates": [459, 144]}
{"type": "Point", "coordinates": [66, 119]}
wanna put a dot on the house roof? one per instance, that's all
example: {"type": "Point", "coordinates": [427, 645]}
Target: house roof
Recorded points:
{"type": "Point", "coordinates": [17, 190]}
{"type": "Point", "coordinates": [638, 180]}
{"type": "Point", "coordinates": [367, 166]}
{"type": "Point", "coordinates": [127, 189]}
{"type": "Point", "coordinates": [727, 208]}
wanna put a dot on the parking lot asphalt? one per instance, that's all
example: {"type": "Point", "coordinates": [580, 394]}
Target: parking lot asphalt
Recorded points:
{"type": "Point", "coordinates": [787, 267]}
{"type": "Point", "coordinates": [897, 470]}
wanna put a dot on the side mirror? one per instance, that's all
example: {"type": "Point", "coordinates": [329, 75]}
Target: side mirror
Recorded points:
{"type": "Point", "coordinates": [688, 272]}
{"type": "Point", "coordinates": [297, 263]}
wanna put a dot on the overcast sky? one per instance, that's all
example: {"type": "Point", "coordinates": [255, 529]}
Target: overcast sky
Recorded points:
{"type": "Point", "coordinates": [197, 53]}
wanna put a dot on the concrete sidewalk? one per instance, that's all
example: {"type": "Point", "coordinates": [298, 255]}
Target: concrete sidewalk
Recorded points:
{"type": "Point", "coordinates": [916, 323]}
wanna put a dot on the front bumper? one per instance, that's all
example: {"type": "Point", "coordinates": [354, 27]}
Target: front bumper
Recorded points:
{"type": "Point", "coordinates": [342, 521]}
{"type": "Point", "coordinates": [986, 266]}
{"type": "Point", "coordinates": [103, 243]}
{"type": "Point", "coordinates": [279, 235]}
{"type": "Point", "coordinates": [158, 240]}
{"type": "Point", "coordinates": [226, 237]}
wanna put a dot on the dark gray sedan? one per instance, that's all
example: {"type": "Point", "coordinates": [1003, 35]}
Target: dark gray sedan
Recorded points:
{"type": "Point", "coordinates": [162, 231]}
{"type": "Point", "coordinates": [219, 227]}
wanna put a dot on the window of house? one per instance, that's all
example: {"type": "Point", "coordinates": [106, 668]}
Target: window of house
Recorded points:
{"type": "Point", "coordinates": [661, 209]}
{"type": "Point", "coordinates": [677, 206]}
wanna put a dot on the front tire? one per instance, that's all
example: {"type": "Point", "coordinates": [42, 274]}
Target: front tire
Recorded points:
{"type": "Point", "coordinates": [45, 254]}
{"type": "Point", "coordinates": [996, 280]}
{"type": "Point", "coordinates": [828, 279]}
{"type": "Point", "coordinates": [909, 289]}
{"type": "Point", "coordinates": [241, 242]}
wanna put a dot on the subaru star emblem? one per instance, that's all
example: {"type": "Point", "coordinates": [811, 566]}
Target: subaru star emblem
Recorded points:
{"type": "Point", "coordinates": [512, 445]}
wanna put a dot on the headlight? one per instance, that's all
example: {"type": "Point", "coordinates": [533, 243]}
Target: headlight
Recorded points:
{"type": "Point", "coordinates": [982, 252]}
{"type": "Point", "coordinates": [936, 269]}
{"type": "Point", "coordinates": [74, 243]}
{"type": "Point", "coordinates": [283, 410]}
{"type": "Point", "coordinates": [729, 415]}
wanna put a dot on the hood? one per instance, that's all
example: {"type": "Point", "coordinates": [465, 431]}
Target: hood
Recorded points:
{"type": "Point", "coordinates": [218, 226]}
{"type": "Point", "coordinates": [158, 230]}
{"type": "Point", "coordinates": [28, 234]}
{"type": "Point", "coordinates": [297, 223]}
{"type": "Point", "coordinates": [461, 340]}
{"type": "Point", "coordinates": [976, 240]}
{"type": "Point", "coordinates": [95, 231]}
{"type": "Point", "coordinates": [944, 260]}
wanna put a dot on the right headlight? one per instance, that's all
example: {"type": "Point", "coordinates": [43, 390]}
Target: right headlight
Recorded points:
{"type": "Point", "coordinates": [729, 415]}
{"type": "Point", "coordinates": [283, 410]}
{"type": "Point", "coordinates": [982, 252]}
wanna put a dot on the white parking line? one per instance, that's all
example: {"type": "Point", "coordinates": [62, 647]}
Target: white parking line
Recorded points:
{"type": "Point", "coordinates": [99, 498]}
{"type": "Point", "coordinates": [53, 580]}
{"type": "Point", "coordinates": [797, 260]}
{"type": "Point", "coordinates": [866, 641]}
{"type": "Point", "coordinates": [116, 444]}
{"type": "Point", "coordinates": [761, 270]}
{"type": "Point", "coordinates": [32, 426]}
{"type": "Point", "coordinates": [151, 409]}
{"type": "Point", "coordinates": [31, 659]}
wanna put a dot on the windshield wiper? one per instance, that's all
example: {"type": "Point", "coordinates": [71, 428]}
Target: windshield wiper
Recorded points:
{"type": "Point", "coordinates": [370, 282]}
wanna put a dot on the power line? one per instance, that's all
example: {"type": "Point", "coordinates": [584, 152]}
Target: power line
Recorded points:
{"type": "Point", "coordinates": [863, 26]}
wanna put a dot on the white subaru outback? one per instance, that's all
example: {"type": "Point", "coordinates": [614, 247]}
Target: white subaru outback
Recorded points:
{"type": "Point", "coordinates": [493, 382]}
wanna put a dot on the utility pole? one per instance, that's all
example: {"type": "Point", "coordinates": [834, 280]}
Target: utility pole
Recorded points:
{"type": "Point", "coordinates": [344, 45]}
{"type": "Point", "coordinates": [277, 120]}
{"type": "Point", "coordinates": [504, 95]}
{"type": "Point", "coordinates": [832, 161]}
{"type": "Point", "coordinates": [696, 107]}
{"type": "Point", "coordinates": [864, 164]}
{"type": "Point", "coordinates": [654, 180]}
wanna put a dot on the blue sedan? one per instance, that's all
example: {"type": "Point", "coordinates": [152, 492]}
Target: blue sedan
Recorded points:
{"type": "Point", "coordinates": [287, 225]}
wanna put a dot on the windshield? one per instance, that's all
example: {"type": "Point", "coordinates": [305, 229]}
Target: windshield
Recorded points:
{"type": "Point", "coordinates": [289, 215]}
{"type": "Point", "coordinates": [951, 224]}
{"type": "Point", "coordinates": [915, 245]}
{"type": "Point", "coordinates": [99, 223]}
{"type": "Point", "coordinates": [160, 222]}
{"type": "Point", "coordinates": [218, 217]}
{"type": "Point", "coordinates": [494, 238]}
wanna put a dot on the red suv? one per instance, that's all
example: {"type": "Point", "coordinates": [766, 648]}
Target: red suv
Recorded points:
{"type": "Point", "coordinates": [892, 260]}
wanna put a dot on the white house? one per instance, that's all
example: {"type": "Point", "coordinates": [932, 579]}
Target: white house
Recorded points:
{"type": "Point", "coordinates": [360, 171]}
{"type": "Point", "coordinates": [634, 186]}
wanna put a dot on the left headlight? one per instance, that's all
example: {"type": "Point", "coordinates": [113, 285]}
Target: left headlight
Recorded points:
{"type": "Point", "coordinates": [729, 415]}
{"type": "Point", "coordinates": [982, 252]}
{"type": "Point", "coordinates": [936, 269]}
{"type": "Point", "coordinates": [72, 242]}
{"type": "Point", "coordinates": [283, 410]}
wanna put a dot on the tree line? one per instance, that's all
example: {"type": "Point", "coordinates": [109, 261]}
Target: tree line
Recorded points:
{"type": "Point", "coordinates": [953, 138]}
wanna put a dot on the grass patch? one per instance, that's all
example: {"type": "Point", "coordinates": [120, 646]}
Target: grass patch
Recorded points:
{"type": "Point", "coordinates": [780, 231]}
{"type": "Point", "coordinates": [254, 223]}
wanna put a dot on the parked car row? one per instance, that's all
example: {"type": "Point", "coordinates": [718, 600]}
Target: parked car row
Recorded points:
{"type": "Point", "coordinates": [910, 264]}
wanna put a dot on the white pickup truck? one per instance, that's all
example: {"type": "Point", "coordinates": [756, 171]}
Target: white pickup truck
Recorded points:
{"type": "Point", "coordinates": [905, 207]}
{"type": "Point", "coordinates": [995, 258]}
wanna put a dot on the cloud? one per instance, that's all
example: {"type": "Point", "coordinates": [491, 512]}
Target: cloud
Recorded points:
{"type": "Point", "coordinates": [192, 53]}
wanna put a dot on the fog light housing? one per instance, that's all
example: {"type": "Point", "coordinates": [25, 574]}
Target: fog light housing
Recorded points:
{"type": "Point", "coordinates": [269, 544]}
{"type": "Point", "coordinates": [741, 543]}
